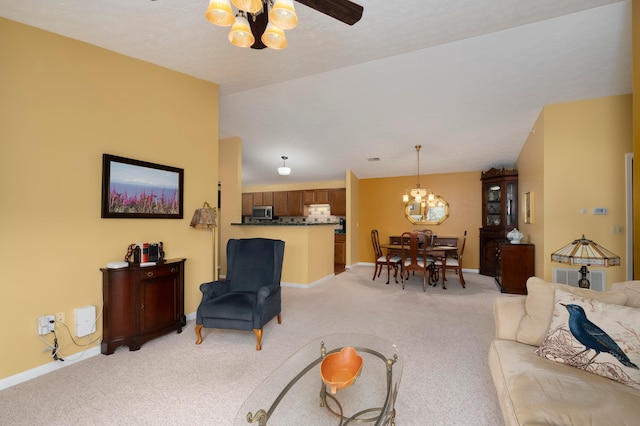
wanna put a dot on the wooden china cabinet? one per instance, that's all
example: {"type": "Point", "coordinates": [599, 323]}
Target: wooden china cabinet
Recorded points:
{"type": "Point", "coordinates": [499, 215]}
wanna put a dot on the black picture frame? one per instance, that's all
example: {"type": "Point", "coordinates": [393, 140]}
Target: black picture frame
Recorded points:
{"type": "Point", "coordinates": [139, 189]}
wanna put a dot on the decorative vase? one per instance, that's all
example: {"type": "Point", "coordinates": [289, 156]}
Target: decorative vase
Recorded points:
{"type": "Point", "coordinates": [514, 236]}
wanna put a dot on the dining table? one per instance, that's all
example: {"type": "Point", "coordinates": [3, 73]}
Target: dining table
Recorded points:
{"type": "Point", "coordinates": [439, 251]}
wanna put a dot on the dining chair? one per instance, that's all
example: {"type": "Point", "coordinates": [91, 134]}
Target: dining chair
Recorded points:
{"type": "Point", "coordinates": [425, 236]}
{"type": "Point", "coordinates": [382, 260]}
{"type": "Point", "coordinates": [454, 262]}
{"type": "Point", "coordinates": [414, 257]}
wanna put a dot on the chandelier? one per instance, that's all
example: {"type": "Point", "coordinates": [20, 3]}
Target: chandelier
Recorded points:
{"type": "Point", "coordinates": [418, 193]}
{"type": "Point", "coordinates": [270, 26]}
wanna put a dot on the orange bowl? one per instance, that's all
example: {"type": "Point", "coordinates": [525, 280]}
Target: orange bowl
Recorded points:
{"type": "Point", "coordinates": [339, 370]}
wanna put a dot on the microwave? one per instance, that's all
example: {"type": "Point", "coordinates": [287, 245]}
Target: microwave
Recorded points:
{"type": "Point", "coordinates": [262, 212]}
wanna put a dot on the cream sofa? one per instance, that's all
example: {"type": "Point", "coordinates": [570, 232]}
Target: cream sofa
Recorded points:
{"type": "Point", "coordinates": [535, 391]}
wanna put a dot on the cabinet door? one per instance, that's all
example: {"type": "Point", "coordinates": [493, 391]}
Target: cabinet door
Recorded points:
{"type": "Point", "coordinates": [339, 202]}
{"type": "Point", "coordinates": [488, 256]}
{"type": "Point", "coordinates": [280, 207]}
{"type": "Point", "coordinates": [340, 250]}
{"type": "Point", "coordinates": [308, 197]}
{"type": "Point", "coordinates": [257, 199]}
{"type": "Point", "coordinates": [517, 265]}
{"type": "Point", "coordinates": [294, 201]}
{"type": "Point", "coordinates": [267, 198]}
{"type": "Point", "coordinates": [322, 196]}
{"type": "Point", "coordinates": [247, 204]}
{"type": "Point", "coordinates": [120, 319]}
{"type": "Point", "coordinates": [158, 298]}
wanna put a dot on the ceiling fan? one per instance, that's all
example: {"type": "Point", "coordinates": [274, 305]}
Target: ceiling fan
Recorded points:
{"type": "Point", "coordinates": [342, 10]}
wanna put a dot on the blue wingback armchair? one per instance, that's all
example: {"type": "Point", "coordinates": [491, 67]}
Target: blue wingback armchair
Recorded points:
{"type": "Point", "coordinates": [249, 296]}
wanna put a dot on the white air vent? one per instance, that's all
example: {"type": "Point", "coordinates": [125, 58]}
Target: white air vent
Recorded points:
{"type": "Point", "coordinates": [598, 279]}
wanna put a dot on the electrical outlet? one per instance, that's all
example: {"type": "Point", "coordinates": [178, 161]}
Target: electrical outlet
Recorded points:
{"type": "Point", "coordinates": [60, 317]}
{"type": "Point", "coordinates": [46, 324]}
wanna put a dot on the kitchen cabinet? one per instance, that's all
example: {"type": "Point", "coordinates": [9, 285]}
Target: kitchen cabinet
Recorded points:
{"type": "Point", "coordinates": [340, 249]}
{"type": "Point", "coordinates": [316, 196]}
{"type": "Point", "coordinates": [499, 215]}
{"type": "Point", "coordinates": [515, 264]}
{"type": "Point", "coordinates": [309, 197]}
{"type": "Point", "coordinates": [141, 303]}
{"type": "Point", "coordinates": [280, 204]}
{"type": "Point", "coordinates": [338, 202]}
{"type": "Point", "coordinates": [263, 198]}
{"type": "Point", "coordinates": [294, 202]}
{"type": "Point", "coordinates": [247, 204]}
{"type": "Point", "coordinates": [322, 196]}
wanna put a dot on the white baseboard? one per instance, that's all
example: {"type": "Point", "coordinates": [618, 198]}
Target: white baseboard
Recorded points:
{"type": "Point", "coordinates": [48, 368]}
{"type": "Point", "coordinates": [313, 284]}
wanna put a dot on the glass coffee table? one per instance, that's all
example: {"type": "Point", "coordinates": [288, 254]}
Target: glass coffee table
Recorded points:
{"type": "Point", "coordinates": [294, 394]}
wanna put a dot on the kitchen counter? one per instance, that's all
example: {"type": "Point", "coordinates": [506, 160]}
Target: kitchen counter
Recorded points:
{"type": "Point", "coordinates": [308, 250]}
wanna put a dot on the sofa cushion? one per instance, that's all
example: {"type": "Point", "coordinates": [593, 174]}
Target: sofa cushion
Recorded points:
{"type": "Point", "coordinates": [539, 305]}
{"type": "Point", "coordinates": [631, 289]}
{"type": "Point", "coordinates": [598, 337]}
{"type": "Point", "coordinates": [535, 391]}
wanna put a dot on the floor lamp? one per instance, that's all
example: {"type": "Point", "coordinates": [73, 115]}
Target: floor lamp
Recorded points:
{"type": "Point", "coordinates": [205, 218]}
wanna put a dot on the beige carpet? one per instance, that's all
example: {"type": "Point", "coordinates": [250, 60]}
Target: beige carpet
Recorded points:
{"type": "Point", "coordinates": [443, 336]}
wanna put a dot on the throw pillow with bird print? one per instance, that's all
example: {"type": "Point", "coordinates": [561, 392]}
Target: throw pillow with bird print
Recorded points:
{"type": "Point", "coordinates": [598, 337]}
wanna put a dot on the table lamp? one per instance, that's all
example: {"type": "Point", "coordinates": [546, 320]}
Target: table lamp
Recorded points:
{"type": "Point", "coordinates": [586, 253]}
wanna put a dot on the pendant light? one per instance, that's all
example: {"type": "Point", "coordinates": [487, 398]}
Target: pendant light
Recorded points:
{"type": "Point", "coordinates": [219, 13]}
{"type": "Point", "coordinates": [274, 37]}
{"type": "Point", "coordinates": [240, 34]}
{"type": "Point", "coordinates": [283, 14]}
{"type": "Point", "coordinates": [284, 170]}
{"type": "Point", "coordinates": [249, 6]}
{"type": "Point", "coordinates": [417, 193]}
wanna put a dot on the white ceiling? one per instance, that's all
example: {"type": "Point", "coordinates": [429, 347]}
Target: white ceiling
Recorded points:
{"type": "Point", "coordinates": [466, 79]}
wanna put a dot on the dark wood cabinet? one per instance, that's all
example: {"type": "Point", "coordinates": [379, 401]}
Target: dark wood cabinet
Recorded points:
{"type": "Point", "coordinates": [499, 214]}
{"type": "Point", "coordinates": [515, 264]}
{"type": "Point", "coordinates": [338, 202]}
{"type": "Point", "coordinates": [309, 197]}
{"type": "Point", "coordinates": [322, 196]}
{"type": "Point", "coordinates": [141, 303]}
{"type": "Point", "coordinates": [340, 249]}
{"type": "Point", "coordinates": [247, 204]}
{"type": "Point", "coordinates": [280, 205]}
{"type": "Point", "coordinates": [294, 202]}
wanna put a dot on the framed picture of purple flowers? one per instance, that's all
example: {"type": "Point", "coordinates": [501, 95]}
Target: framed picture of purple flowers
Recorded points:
{"type": "Point", "coordinates": [138, 189]}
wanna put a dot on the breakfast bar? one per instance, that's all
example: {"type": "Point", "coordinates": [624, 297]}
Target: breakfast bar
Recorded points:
{"type": "Point", "coordinates": [308, 252]}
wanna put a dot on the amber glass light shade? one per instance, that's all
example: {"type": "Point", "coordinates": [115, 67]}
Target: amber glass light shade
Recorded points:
{"type": "Point", "coordinates": [283, 14]}
{"type": "Point", "coordinates": [274, 37]}
{"type": "Point", "coordinates": [219, 13]}
{"type": "Point", "coordinates": [251, 6]}
{"type": "Point", "coordinates": [240, 34]}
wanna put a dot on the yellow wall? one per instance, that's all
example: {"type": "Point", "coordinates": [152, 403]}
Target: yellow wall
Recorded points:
{"type": "Point", "coordinates": [635, 8]}
{"type": "Point", "coordinates": [530, 167]}
{"type": "Point", "coordinates": [64, 104]}
{"type": "Point", "coordinates": [381, 207]}
{"type": "Point", "coordinates": [231, 203]}
{"type": "Point", "coordinates": [575, 160]}
{"type": "Point", "coordinates": [353, 214]}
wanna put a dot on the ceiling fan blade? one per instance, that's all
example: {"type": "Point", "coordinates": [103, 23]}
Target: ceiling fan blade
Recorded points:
{"type": "Point", "coordinates": [342, 10]}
